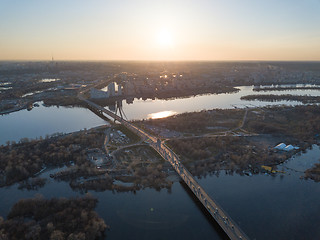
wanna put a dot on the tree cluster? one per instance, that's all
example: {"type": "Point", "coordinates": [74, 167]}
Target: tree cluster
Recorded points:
{"type": "Point", "coordinates": [285, 97]}
{"type": "Point", "coordinates": [300, 123]}
{"type": "Point", "coordinates": [19, 161]}
{"type": "Point", "coordinates": [54, 219]}
{"type": "Point", "coordinates": [282, 88]}
{"type": "Point", "coordinates": [137, 170]}
{"type": "Point", "coordinates": [205, 155]}
{"type": "Point", "coordinates": [313, 173]}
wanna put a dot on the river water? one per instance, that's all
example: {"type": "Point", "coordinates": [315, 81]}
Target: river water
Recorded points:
{"type": "Point", "coordinates": [272, 207]}
{"type": "Point", "coordinates": [47, 120]}
{"type": "Point", "coordinates": [143, 109]}
{"type": "Point", "coordinates": [266, 207]}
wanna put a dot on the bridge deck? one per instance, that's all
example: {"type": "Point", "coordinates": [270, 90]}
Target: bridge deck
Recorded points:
{"type": "Point", "coordinates": [222, 218]}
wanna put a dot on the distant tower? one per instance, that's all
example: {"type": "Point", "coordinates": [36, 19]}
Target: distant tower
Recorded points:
{"type": "Point", "coordinates": [51, 65]}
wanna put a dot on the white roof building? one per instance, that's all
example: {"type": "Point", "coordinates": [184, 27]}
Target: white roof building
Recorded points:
{"type": "Point", "coordinates": [288, 148]}
{"type": "Point", "coordinates": [280, 146]}
{"type": "Point", "coordinates": [285, 147]}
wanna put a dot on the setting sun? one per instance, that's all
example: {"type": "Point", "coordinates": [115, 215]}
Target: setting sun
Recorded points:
{"type": "Point", "coordinates": [164, 38]}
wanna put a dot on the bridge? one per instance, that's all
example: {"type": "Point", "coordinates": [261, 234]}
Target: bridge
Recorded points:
{"type": "Point", "coordinates": [221, 217]}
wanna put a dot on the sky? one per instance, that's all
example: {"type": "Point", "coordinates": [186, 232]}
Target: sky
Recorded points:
{"type": "Point", "coordinates": [188, 30]}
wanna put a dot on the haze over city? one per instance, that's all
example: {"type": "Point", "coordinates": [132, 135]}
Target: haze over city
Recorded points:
{"type": "Point", "coordinates": [173, 119]}
{"type": "Point", "coordinates": [160, 30]}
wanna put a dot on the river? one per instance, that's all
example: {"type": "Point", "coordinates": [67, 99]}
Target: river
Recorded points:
{"type": "Point", "coordinates": [266, 207]}
{"type": "Point", "coordinates": [143, 109]}
{"type": "Point", "coordinates": [47, 120]}
{"type": "Point", "coordinates": [41, 121]}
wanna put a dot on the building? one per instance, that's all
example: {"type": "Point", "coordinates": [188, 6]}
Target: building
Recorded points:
{"type": "Point", "coordinates": [288, 148]}
{"type": "Point", "coordinates": [284, 147]}
{"type": "Point", "coordinates": [280, 146]}
{"type": "Point", "coordinates": [98, 94]}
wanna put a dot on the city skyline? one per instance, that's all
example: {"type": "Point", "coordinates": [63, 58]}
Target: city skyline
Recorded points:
{"type": "Point", "coordinates": [167, 30]}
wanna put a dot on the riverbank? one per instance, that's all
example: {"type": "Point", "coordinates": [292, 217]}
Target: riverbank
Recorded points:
{"type": "Point", "coordinates": [239, 140]}
{"type": "Point", "coordinates": [284, 88]}
{"type": "Point", "coordinates": [305, 99]}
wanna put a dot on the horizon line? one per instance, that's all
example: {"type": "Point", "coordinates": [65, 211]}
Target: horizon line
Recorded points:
{"type": "Point", "coordinates": [153, 60]}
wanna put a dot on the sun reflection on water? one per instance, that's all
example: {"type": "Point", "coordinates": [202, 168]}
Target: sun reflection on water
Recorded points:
{"type": "Point", "coordinates": [162, 114]}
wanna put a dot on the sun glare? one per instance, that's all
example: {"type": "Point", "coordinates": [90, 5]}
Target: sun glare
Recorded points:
{"type": "Point", "coordinates": [164, 38]}
{"type": "Point", "coordinates": [162, 114]}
